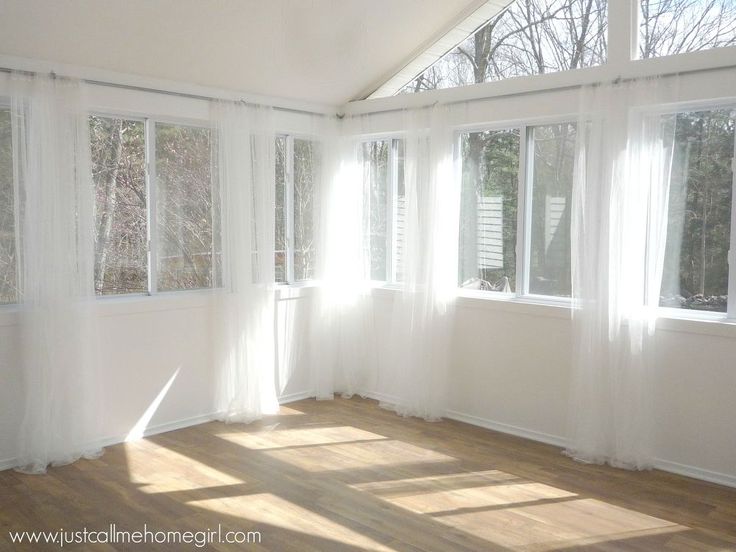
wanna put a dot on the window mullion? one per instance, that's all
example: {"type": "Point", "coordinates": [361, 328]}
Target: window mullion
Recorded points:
{"type": "Point", "coordinates": [523, 212]}
{"type": "Point", "coordinates": [152, 229]}
{"type": "Point", "coordinates": [623, 33]}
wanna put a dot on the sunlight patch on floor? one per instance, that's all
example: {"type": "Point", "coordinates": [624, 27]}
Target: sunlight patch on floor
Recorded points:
{"type": "Point", "coordinates": [274, 438]}
{"type": "Point", "coordinates": [451, 502]}
{"type": "Point", "coordinates": [361, 455]}
{"type": "Point", "coordinates": [505, 510]}
{"type": "Point", "coordinates": [433, 483]}
{"type": "Point", "coordinates": [270, 509]}
{"type": "Point", "coordinates": [158, 470]}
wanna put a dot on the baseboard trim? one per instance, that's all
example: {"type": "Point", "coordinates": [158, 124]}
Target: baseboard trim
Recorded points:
{"type": "Point", "coordinates": [381, 397]}
{"type": "Point", "coordinates": [663, 465]}
{"type": "Point", "coordinates": [696, 473]}
{"type": "Point", "coordinates": [165, 427]}
{"type": "Point", "coordinates": [293, 397]}
{"type": "Point", "coordinates": [506, 428]}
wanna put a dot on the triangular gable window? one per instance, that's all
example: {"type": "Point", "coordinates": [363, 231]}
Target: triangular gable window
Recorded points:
{"type": "Point", "coordinates": [526, 37]}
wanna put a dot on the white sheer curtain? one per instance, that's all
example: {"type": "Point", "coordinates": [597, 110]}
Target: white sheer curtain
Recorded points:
{"type": "Point", "coordinates": [620, 199]}
{"type": "Point", "coordinates": [245, 343]}
{"type": "Point", "coordinates": [56, 250]}
{"type": "Point", "coordinates": [418, 353]}
{"type": "Point", "coordinates": [342, 347]}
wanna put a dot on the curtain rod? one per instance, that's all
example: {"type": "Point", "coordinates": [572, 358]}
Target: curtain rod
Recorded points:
{"type": "Point", "coordinates": [161, 91]}
{"type": "Point", "coordinates": [619, 79]}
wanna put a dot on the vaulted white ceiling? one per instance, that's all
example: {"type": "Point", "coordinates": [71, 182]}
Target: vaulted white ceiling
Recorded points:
{"type": "Point", "coordinates": [324, 51]}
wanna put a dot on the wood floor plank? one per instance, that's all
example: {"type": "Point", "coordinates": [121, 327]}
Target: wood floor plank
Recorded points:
{"type": "Point", "coordinates": [347, 475]}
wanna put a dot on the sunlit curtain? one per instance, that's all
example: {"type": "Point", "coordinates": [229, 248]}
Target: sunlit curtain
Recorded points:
{"type": "Point", "coordinates": [418, 355]}
{"type": "Point", "coordinates": [619, 223]}
{"type": "Point", "coordinates": [244, 332]}
{"type": "Point", "coordinates": [342, 350]}
{"type": "Point", "coordinates": [56, 250]}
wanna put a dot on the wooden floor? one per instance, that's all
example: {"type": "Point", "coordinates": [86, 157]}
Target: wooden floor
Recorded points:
{"type": "Point", "coordinates": [347, 475]}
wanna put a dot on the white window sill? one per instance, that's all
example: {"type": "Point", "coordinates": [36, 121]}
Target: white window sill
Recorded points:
{"type": "Point", "coordinates": [492, 300]}
{"type": "Point", "coordinates": [118, 305]}
{"type": "Point", "coordinates": [286, 292]}
{"type": "Point", "coordinates": [527, 305]}
{"type": "Point", "coordinates": [697, 322]}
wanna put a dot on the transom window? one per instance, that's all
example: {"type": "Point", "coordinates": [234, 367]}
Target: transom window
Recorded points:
{"type": "Point", "coordinates": [535, 37]}
{"type": "Point", "coordinates": [668, 27]}
{"type": "Point", "coordinates": [529, 37]}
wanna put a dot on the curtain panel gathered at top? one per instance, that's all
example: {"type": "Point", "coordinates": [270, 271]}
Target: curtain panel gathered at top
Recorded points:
{"type": "Point", "coordinates": [418, 357]}
{"type": "Point", "coordinates": [244, 313]}
{"type": "Point", "coordinates": [342, 341]}
{"type": "Point", "coordinates": [619, 227]}
{"type": "Point", "coordinates": [55, 246]}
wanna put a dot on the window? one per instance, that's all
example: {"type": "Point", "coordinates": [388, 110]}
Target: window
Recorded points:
{"type": "Point", "coordinates": [493, 255]}
{"type": "Point", "coordinates": [530, 37]}
{"type": "Point", "coordinates": [121, 229]}
{"type": "Point", "coordinates": [383, 166]}
{"type": "Point", "coordinates": [298, 166]}
{"type": "Point", "coordinates": [553, 148]}
{"type": "Point", "coordinates": [489, 202]}
{"type": "Point", "coordinates": [8, 258]}
{"type": "Point", "coordinates": [696, 274]}
{"type": "Point", "coordinates": [155, 232]}
{"type": "Point", "coordinates": [185, 249]}
{"type": "Point", "coordinates": [668, 27]}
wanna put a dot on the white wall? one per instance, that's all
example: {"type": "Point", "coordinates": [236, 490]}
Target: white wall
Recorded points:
{"type": "Point", "coordinates": [143, 342]}
{"type": "Point", "coordinates": [511, 372]}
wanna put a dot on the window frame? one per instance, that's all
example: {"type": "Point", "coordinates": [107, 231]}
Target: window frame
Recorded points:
{"type": "Point", "coordinates": [149, 137]}
{"type": "Point", "coordinates": [524, 211]}
{"type": "Point", "coordinates": [524, 205]}
{"type": "Point", "coordinates": [289, 175]}
{"type": "Point", "coordinates": [635, 40]}
{"type": "Point", "coordinates": [392, 194]}
{"type": "Point", "coordinates": [694, 314]}
{"type": "Point", "coordinates": [5, 104]}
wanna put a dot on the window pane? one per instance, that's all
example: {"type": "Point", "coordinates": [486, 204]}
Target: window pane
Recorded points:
{"type": "Point", "coordinates": [530, 37]}
{"type": "Point", "coordinates": [377, 177]}
{"type": "Point", "coordinates": [306, 172]}
{"type": "Point", "coordinates": [699, 224]}
{"type": "Point", "coordinates": [670, 27]}
{"type": "Point", "coordinates": [8, 263]}
{"type": "Point", "coordinates": [121, 236]}
{"type": "Point", "coordinates": [554, 158]}
{"type": "Point", "coordinates": [280, 200]}
{"type": "Point", "coordinates": [489, 204]}
{"type": "Point", "coordinates": [184, 207]}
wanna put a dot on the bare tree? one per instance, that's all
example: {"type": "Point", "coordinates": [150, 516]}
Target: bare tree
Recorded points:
{"type": "Point", "coordinates": [529, 37]}
{"type": "Point", "coordinates": [676, 26]}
